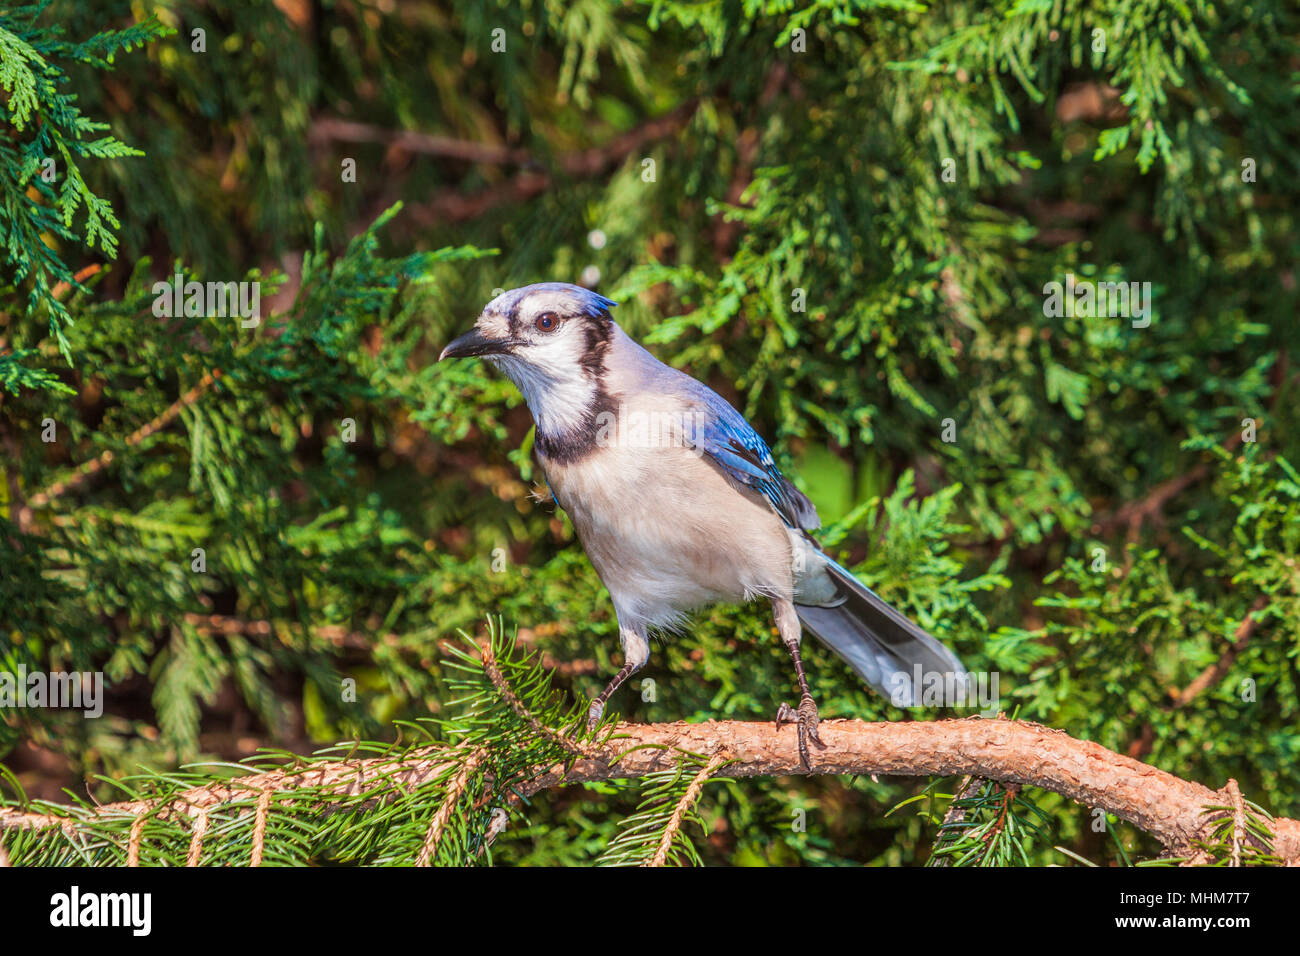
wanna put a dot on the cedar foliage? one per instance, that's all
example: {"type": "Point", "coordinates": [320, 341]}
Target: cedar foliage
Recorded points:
{"type": "Point", "coordinates": [912, 174]}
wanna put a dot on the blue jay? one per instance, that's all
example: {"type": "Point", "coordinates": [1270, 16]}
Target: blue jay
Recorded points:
{"type": "Point", "coordinates": [674, 519]}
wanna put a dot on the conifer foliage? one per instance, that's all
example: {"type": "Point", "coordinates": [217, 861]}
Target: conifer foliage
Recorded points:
{"type": "Point", "coordinates": [1010, 287]}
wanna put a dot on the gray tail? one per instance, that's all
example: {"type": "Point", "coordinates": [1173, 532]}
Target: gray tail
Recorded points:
{"type": "Point", "coordinates": [882, 646]}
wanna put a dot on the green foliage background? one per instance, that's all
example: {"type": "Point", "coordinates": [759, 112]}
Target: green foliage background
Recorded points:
{"type": "Point", "coordinates": [806, 147]}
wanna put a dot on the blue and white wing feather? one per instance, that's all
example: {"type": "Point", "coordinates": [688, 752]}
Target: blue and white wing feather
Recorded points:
{"type": "Point", "coordinates": [732, 443]}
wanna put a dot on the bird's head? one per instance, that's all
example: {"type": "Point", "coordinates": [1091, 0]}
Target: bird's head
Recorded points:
{"type": "Point", "coordinates": [551, 340]}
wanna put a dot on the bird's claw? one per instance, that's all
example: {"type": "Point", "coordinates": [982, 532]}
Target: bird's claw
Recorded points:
{"type": "Point", "coordinates": [806, 719]}
{"type": "Point", "coordinates": [784, 714]}
{"type": "Point", "coordinates": [594, 713]}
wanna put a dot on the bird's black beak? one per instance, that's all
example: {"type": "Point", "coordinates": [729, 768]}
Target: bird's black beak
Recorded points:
{"type": "Point", "coordinates": [474, 343]}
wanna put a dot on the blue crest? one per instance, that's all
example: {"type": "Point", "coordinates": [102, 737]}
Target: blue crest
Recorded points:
{"type": "Point", "coordinates": [584, 301]}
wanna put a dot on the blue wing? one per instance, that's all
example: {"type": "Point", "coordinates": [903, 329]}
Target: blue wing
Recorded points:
{"type": "Point", "coordinates": [721, 433]}
{"type": "Point", "coordinates": [733, 444]}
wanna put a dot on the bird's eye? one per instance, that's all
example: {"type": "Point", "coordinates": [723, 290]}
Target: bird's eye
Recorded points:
{"type": "Point", "coordinates": [546, 322]}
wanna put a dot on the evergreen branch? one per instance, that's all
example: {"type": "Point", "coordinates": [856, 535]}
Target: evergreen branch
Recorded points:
{"type": "Point", "coordinates": [259, 828]}
{"type": "Point", "coordinates": [1215, 672]}
{"type": "Point", "coordinates": [226, 625]}
{"type": "Point", "coordinates": [664, 793]}
{"type": "Point", "coordinates": [61, 288]}
{"type": "Point", "coordinates": [986, 825]}
{"type": "Point", "coordinates": [196, 841]}
{"type": "Point", "coordinates": [683, 805]}
{"type": "Point", "coordinates": [1240, 833]}
{"type": "Point", "coordinates": [40, 121]}
{"type": "Point", "coordinates": [493, 672]}
{"type": "Point", "coordinates": [1206, 679]}
{"type": "Point", "coordinates": [135, 839]}
{"type": "Point", "coordinates": [338, 778]}
{"type": "Point", "coordinates": [957, 811]}
{"type": "Point", "coordinates": [1184, 816]}
{"type": "Point", "coordinates": [93, 467]}
{"type": "Point", "coordinates": [1238, 819]}
{"type": "Point", "coordinates": [439, 822]}
{"type": "Point", "coordinates": [335, 557]}
{"type": "Point", "coordinates": [1131, 515]}
{"type": "Point", "coordinates": [343, 637]}
{"type": "Point", "coordinates": [1135, 513]}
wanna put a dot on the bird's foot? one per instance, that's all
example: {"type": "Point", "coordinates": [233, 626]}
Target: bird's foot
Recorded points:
{"type": "Point", "coordinates": [594, 713]}
{"type": "Point", "coordinates": [807, 720]}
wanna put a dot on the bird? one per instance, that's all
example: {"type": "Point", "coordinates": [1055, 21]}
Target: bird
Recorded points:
{"type": "Point", "coordinates": [679, 504]}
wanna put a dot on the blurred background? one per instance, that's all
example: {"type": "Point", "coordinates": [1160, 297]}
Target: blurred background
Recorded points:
{"type": "Point", "coordinates": [841, 216]}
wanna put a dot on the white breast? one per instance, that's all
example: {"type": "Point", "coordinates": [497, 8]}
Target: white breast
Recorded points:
{"type": "Point", "coordinates": [667, 532]}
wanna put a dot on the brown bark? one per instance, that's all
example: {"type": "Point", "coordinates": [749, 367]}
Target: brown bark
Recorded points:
{"type": "Point", "coordinates": [1011, 752]}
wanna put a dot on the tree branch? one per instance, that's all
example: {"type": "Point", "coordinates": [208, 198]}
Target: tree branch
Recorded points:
{"type": "Point", "coordinates": [683, 806]}
{"type": "Point", "coordinates": [352, 640]}
{"type": "Point", "coordinates": [1206, 679]}
{"type": "Point", "coordinates": [329, 129]}
{"type": "Point", "coordinates": [585, 162]}
{"type": "Point", "coordinates": [105, 458]}
{"type": "Point", "coordinates": [1216, 671]}
{"type": "Point", "coordinates": [535, 175]}
{"type": "Point", "coordinates": [1010, 752]}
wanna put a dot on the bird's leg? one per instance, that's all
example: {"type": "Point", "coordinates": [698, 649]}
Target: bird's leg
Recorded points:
{"type": "Point", "coordinates": [597, 708]}
{"type": "Point", "coordinates": [636, 651]}
{"type": "Point", "coordinates": [787, 622]}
